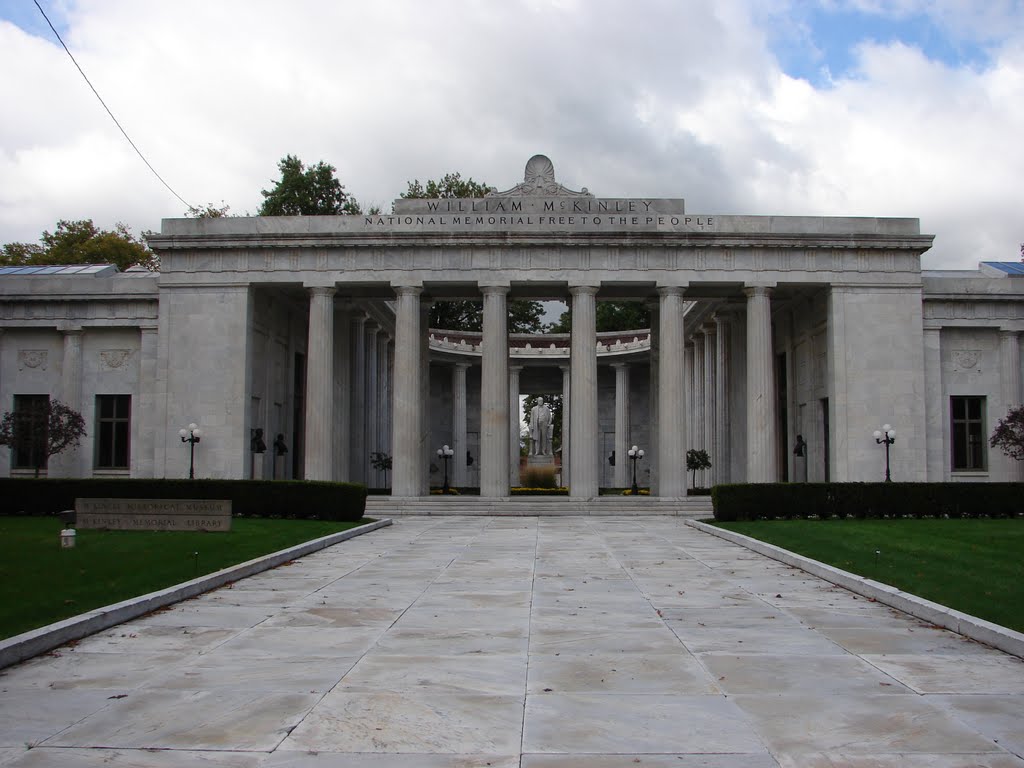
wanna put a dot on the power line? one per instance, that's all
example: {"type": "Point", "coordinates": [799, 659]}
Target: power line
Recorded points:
{"type": "Point", "coordinates": [137, 150]}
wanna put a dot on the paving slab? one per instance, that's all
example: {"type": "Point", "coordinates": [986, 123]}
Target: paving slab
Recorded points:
{"type": "Point", "coordinates": [450, 642]}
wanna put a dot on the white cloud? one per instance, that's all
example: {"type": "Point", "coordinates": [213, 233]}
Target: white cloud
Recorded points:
{"type": "Point", "coordinates": [665, 100]}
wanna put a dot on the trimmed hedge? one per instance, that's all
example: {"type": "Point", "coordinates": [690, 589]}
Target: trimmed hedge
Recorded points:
{"type": "Point", "coordinates": [344, 502]}
{"type": "Point", "coordinates": [770, 501]}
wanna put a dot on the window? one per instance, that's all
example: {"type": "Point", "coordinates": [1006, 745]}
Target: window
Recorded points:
{"type": "Point", "coordinates": [968, 432]}
{"type": "Point", "coordinates": [30, 423]}
{"type": "Point", "coordinates": [113, 431]}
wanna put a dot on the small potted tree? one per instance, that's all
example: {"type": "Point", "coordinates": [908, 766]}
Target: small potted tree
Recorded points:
{"type": "Point", "coordinates": [697, 460]}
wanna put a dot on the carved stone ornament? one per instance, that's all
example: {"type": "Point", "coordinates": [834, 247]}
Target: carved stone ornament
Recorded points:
{"type": "Point", "coordinates": [115, 358]}
{"type": "Point", "coordinates": [539, 181]}
{"type": "Point", "coordinates": [32, 358]}
{"type": "Point", "coordinates": [966, 358]}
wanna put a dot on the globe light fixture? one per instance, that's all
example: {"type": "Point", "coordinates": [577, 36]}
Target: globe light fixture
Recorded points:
{"type": "Point", "coordinates": [191, 435]}
{"type": "Point", "coordinates": [445, 453]}
{"type": "Point", "coordinates": [886, 437]}
{"type": "Point", "coordinates": [635, 454]}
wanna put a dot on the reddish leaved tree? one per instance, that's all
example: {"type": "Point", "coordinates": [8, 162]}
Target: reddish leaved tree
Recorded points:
{"type": "Point", "coordinates": [1008, 435]}
{"type": "Point", "coordinates": [42, 432]}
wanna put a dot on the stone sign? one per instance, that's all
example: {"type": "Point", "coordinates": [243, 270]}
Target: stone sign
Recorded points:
{"type": "Point", "coordinates": [154, 514]}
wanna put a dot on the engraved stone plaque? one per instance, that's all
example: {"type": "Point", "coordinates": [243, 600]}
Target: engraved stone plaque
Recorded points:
{"type": "Point", "coordinates": [154, 514]}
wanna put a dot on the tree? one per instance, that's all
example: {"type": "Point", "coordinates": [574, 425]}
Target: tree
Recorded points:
{"type": "Point", "coordinates": [302, 191]}
{"type": "Point", "coordinates": [697, 460]}
{"type": "Point", "coordinates": [610, 316]}
{"type": "Point", "coordinates": [42, 432]}
{"type": "Point", "coordinates": [451, 186]}
{"type": "Point", "coordinates": [1008, 435]}
{"type": "Point", "coordinates": [82, 242]}
{"type": "Point", "coordinates": [208, 211]}
{"type": "Point", "coordinates": [523, 316]}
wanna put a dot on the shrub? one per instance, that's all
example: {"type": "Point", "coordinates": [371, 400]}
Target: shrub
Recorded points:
{"type": "Point", "coordinates": [249, 498]}
{"type": "Point", "coordinates": [770, 501]}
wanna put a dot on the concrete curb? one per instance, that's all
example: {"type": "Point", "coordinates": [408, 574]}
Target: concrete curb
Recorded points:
{"type": "Point", "coordinates": [970, 626]}
{"type": "Point", "coordinates": [38, 641]}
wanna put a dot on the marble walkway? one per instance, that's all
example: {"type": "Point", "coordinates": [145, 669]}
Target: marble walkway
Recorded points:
{"type": "Point", "coordinates": [545, 643]}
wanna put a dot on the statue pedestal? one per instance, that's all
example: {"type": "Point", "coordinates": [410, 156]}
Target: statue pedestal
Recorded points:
{"type": "Point", "coordinates": [540, 461]}
{"type": "Point", "coordinates": [257, 466]}
{"type": "Point", "coordinates": [800, 469]}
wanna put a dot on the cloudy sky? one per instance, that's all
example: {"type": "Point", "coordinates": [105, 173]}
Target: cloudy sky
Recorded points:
{"type": "Point", "coordinates": [833, 107]}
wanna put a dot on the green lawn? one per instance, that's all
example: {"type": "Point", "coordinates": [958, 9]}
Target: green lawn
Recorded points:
{"type": "Point", "coordinates": [41, 583]}
{"type": "Point", "coordinates": [974, 566]}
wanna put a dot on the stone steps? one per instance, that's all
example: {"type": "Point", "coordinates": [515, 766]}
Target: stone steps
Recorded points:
{"type": "Point", "coordinates": [533, 506]}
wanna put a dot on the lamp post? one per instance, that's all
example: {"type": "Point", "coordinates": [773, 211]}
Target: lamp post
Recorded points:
{"type": "Point", "coordinates": [634, 454]}
{"type": "Point", "coordinates": [191, 436]}
{"type": "Point", "coordinates": [886, 437]}
{"type": "Point", "coordinates": [445, 453]}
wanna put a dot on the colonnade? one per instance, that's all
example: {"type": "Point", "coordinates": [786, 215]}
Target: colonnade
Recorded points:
{"type": "Point", "coordinates": [705, 422]}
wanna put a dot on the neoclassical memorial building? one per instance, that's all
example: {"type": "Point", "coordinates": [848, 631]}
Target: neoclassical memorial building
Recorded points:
{"type": "Point", "coordinates": [315, 329]}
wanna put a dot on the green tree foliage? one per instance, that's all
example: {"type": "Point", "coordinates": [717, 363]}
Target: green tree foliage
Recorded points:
{"type": "Point", "coordinates": [523, 316]}
{"type": "Point", "coordinates": [451, 186]}
{"type": "Point", "coordinates": [611, 316]}
{"type": "Point", "coordinates": [302, 191]}
{"type": "Point", "coordinates": [208, 211]}
{"type": "Point", "coordinates": [697, 460]}
{"type": "Point", "coordinates": [1008, 436]}
{"type": "Point", "coordinates": [82, 242]}
{"type": "Point", "coordinates": [44, 432]}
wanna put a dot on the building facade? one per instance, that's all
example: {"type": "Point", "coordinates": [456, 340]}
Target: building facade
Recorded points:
{"type": "Point", "coordinates": [314, 330]}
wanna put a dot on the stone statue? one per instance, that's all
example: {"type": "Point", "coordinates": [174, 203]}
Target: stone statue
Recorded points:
{"type": "Point", "coordinates": [258, 445]}
{"type": "Point", "coordinates": [800, 447]}
{"type": "Point", "coordinates": [280, 449]}
{"type": "Point", "coordinates": [540, 429]}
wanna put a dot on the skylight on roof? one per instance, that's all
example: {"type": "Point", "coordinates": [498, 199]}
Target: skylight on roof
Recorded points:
{"type": "Point", "coordinates": [1011, 268]}
{"type": "Point", "coordinates": [61, 270]}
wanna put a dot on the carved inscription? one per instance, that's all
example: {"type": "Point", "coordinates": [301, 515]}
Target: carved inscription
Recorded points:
{"type": "Point", "coordinates": [965, 359]}
{"type": "Point", "coordinates": [154, 514]}
{"type": "Point", "coordinates": [115, 358]}
{"type": "Point", "coordinates": [32, 358]}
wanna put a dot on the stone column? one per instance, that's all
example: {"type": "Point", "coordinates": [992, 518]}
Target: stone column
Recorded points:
{"type": "Point", "coordinates": [566, 421]}
{"type": "Point", "coordinates": [652, 397]}
{"type": "Point", "coordinates": [698, 441]}
{"type": "Point", "coordinates": [583, 467]}
{"type": "Point", "coordinates": [357, 419]}
{"type": "Point", "coordinates": [389, 406]}
{"type": "Point", "coordinates": [459, 424]}
{"type": "Point", "coordinates": [720, 470]}
{"type": "Point", "coordinates": [427, 447]}
{"type": "Point", "coordinates": [710, 437]}
{"type": "Point", "coordinates": [407, 409]}
{"type": "Point", "coordinates": [513, 424]}
{"type": "Point", "coordinates": [342, 395]}
{"type": "Point", "coordinates": [671, 395]}
{"type": "Point", "coordinates": [623, 477]}
{"type": "Point", "coordinates": [319, 371]}
{"type": "Point", "coordinates": [494, 417]}
{"type": "Point", "coordinates": [762, 463]}
{"type": "Point", "coordinates": [1010, 379]}
{"type": "Point", "coordinates": [688, 399]}
{"type": "Point", "coordinates": [70, 462]}
{"type": "Point", "coordinates": [935, 408]}
{"type": "Point", "coordinates": [383, 391]}
{"type": "Point", "coordinates": [144, 428]}
{"type": "Point", "coordinates": [370, 399]}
